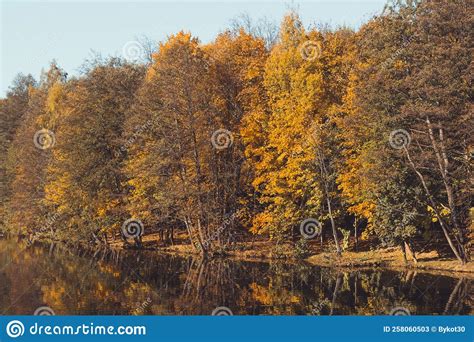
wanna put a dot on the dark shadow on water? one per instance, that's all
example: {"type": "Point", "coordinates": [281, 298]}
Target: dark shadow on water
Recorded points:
{"type": "Point", "coordinates": [125, 283]}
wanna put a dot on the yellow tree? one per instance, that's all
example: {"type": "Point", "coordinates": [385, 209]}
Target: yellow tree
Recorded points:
{"type": "Point", "coordinates": [12, 112]}
{"type": "Point", "coordinates": [336, 57]}
{"type": "Point", "coordinates": [239, 59]}
{"type": "Point", "coordinates": [84, 183]}
{"type": "Point", "coordinates": [285, 172]}
{"type": "Point", "coordinates": [171, 166]}
{"type": "Point", "coordinates": [29, 156]}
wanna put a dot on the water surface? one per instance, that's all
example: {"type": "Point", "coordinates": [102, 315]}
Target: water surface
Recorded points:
{"type": "Point", "coordinates": [78, 283]}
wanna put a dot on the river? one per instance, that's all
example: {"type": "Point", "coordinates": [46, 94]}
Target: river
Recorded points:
{"type": "Point", "coordinates": [147, 283]}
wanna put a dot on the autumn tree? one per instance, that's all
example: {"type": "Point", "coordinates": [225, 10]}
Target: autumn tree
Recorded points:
{"type": "Point", "coordinates": [28, 158]}
{"type": "Point", "coordinates": [241, 102]}
{"type": "Point", "coordinates": [255, 132]}
{"type": "Point", "coordinates": [285, 177]}
{"type": "Point", "coordinates": [176, 153]}
{"type": "Point", "coordinates": [439, 112]}
{"type": "Point", "coordinates": [84, 177]}
{"type": "Point", "coordinates": [381, 123]}
{"type": "Point", "coordinates": [12, 112]}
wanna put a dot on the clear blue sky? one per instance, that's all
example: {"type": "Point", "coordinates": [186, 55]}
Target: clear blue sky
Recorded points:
{"type": "Point", "coordinates": [35, 32]}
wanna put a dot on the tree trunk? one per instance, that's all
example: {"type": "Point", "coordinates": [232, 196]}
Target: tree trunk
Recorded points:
{"type": "Point", "coordinates": [404, 251]}
{"type": "Point", "coordinates": [443, 164]}
{"type": "Point", "coordinates": [333, 225]}
{"type": "Point", "coordinates": [325, 180]}
{"type": "Point", "coordinates": [356, 237]}
{"type": "Point", "coordinates": [187, 223]}
{"type": "Point", "coordinates": [409, 247]}
{"type": "Point", "coordinates": [444, 228]}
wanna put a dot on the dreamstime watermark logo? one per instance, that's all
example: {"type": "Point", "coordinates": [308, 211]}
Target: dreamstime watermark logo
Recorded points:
{"type": "Point", "coordinates": [133, 50]}
{"type": "Point", "coordinates": [310, 50]}
{"type": "Point", "coordinates": [44, 311]}
{"type": "Point", "coordinates": [48, 226]}
{"type": "Point", "coordinates": [50, 221]}
{"type": "Point", "coordinates": [44, 139]}
{"type": "Point", "coordinates": [317, 308]}
{"type": "Point", "coordinates": [139, 130]}
{"type": "Point", "coordinates": [222, 311]}
{"type": "Point", "coordinates": [132, 228]}
{"type": "Point", "coordinates": [222, 139]}
{"type": "Point", "coordinates": [400, 311]}
{"type": "Point", "coordinates": [141, 307]}
{"type": "Point", "coordinates": [227, 221]}
{"type": "Point", "coordinates": [310, 228]}
{"type": "Point", "coordinates": [399, 139]}
{"type": "Point", "coordinates": [15, 329]}
{"type": "Point", "coordinates": [397, 52]}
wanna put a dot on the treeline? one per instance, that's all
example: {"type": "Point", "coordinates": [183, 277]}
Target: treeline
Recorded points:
{"type": "Point", "coordinates": [365, 134]}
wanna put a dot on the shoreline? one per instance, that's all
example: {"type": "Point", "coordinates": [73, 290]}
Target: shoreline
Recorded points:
{"type": "Point", "coordinates": [386, 258]}
{"type": "Point", "coordinates": [390, 258]}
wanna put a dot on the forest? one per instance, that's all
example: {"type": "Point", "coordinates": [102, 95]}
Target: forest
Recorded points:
{"type": "Point", "coordinates": [302, 139]}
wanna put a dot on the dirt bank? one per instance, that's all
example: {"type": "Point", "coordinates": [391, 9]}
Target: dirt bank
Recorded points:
{"type": "Point", "coordinates": [262, 250]}
{"type": "Point", "coordinates": [393, 258]}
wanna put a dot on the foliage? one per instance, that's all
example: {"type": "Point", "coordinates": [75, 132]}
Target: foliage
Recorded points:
{"type": "Point", "coordinates": [305, 123]}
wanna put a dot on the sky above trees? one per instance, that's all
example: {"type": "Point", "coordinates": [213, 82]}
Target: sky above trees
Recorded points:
{"type": "Point", "coordinates": [36, 32]}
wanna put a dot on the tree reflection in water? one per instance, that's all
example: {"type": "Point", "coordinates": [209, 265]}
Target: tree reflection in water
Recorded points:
{"type": "Point", "coordinates": [74, 281]}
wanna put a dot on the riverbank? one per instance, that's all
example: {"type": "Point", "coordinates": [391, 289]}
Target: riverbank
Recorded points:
{"type": "Point", "coordinates": [259, 250]}
{"type": "Point", "coordinates": [392, 258]}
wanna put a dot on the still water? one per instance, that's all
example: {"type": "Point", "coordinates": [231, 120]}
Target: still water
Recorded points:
{"type": "Point", "coordinates": [146, 283]}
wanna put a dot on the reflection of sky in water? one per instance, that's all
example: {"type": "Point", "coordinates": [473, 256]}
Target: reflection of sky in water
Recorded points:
{"type": "Point", "coordinates": [163, 285]}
